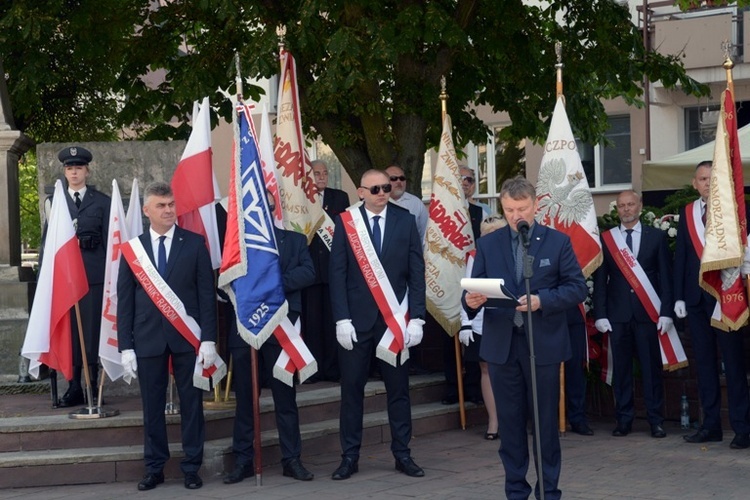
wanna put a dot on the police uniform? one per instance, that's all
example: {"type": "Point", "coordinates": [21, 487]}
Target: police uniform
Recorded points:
{"type": "Point", "coordinates": [91, 220]}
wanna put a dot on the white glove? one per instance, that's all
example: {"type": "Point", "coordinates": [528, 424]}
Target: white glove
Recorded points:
{"type": "Point", "coordinates": [679, 309]}
{"type": "Point", "coordinates": [466, 335]}
{"type": "Point", "coordinates": [602, 325]}
{"type": "Point", "coordinates": [414, 333]}
{"type": "Point", "coordinates": [664, 324]}
{"type": "Point", "coordinates": [346, 334]}
{"type": "Point", "coordinates": [207, 354]}
{"type": "Point", "coordinates": [745, 267]}
{"type": "Point", "coordinates": [129, 364]}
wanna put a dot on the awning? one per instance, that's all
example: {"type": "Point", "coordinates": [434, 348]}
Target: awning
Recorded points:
{"type": "Point", "coordinates": [677, 171]}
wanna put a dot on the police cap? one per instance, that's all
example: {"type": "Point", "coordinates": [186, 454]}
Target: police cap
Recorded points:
{"type": "Point", "coordinates": [75, 156]}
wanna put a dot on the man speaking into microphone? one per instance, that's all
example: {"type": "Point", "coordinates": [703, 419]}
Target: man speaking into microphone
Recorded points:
{"type": "Point", "coordinates": [556, 285]}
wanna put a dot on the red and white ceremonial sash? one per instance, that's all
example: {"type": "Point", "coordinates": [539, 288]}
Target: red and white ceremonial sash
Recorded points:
{"type": "Point", "coordinates": [697, 232]}
{"type": "Point", "coordinates": [394, 313]}
{"type": "Point", "coordinates": [170, 305]}
{"type": "Point", "coordinates": [672, 354]}
{"type": "Point", "coordinates": [294, 354]}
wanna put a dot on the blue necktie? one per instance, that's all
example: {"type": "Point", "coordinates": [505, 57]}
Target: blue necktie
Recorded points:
{"type": "Point", "coordinates": [376, 238]}
{"type": "Point", "coordinates": [162, 261]}
{"type": "Point", "coordinates": [629, 239]}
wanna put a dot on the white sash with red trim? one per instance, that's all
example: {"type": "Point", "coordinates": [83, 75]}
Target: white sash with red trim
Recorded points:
{"type": "Point", "coordinates": [672, 354]}
{"type": "Point", "coordinates": [294, 354]}
{"type": "Point", "coordinates": [395, 314]}
{"type": "Point", "coordinates": [170, 305]}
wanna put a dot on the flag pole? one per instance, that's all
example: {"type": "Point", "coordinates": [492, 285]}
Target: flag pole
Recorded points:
{"type": "Point", "coordinates": [456, 343]}
{"type": "Point", "coordinates": [561, 426]}
{"type": "Point", "coordinates": [728, 65]}
{"type": "Point", "coordinates": [257, 450]}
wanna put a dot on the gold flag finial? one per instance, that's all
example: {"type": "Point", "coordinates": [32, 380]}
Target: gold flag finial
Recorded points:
{"type": "Point", "coordinates": [281, 33]}
{"type": "Point", "coordinates": [728, 48]}
{"type": "Point", "coordinates": [558, 67]}
{"type": "Point", "coordinates": [238, 76]}
{"type": "Point", "coordinates": [443, 97]}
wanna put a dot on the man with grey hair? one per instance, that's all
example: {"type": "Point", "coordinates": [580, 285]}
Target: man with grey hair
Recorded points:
{"type": "Point", "coordinates": [556, 285]}
{"type": "Point", "coordinates": [401, 197]}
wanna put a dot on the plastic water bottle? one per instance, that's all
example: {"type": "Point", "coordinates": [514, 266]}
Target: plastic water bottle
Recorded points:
{"type": "Point", "coordinates": [684, 413]}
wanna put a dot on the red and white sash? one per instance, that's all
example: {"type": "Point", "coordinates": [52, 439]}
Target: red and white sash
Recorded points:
{"type": "Point", "coordinates": [695, 226]}
{"type": "Point", "coordinates": [672, 354]}
{"type": "Point", "coordinates": [294, 354]}
{"type": "Point", "coordinates": [395, 314]}
{"type": "Point", "coordinates": [170, 305]}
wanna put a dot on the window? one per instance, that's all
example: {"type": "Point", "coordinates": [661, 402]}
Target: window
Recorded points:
{"type": "Point", "coordinates": [700, 122]}
{"type": "Point", "coordinates": [608, 164]}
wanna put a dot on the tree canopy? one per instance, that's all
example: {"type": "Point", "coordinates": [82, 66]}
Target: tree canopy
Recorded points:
{"type": "Point", "coordinates": [369, 70]}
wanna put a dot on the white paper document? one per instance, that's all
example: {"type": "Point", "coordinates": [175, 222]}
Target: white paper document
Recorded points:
{"type": "Point", "coordinates": [493, 288]}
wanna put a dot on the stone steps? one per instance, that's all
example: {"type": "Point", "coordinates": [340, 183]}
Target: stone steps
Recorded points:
{"type": "Point", "coordinates": [49, 450]}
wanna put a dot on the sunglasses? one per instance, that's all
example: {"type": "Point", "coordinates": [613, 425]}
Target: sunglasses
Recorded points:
{"type": "Point", "coordinates": [395, 178]}
{"type": "Point", "coordinates": [468, 179]}
{"type": "Point", "coordinates": [376, 189]}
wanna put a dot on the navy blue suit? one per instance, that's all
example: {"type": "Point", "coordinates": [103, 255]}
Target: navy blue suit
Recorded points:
{"type": "Point", "coordinates": [402, 260]}
{"type": "Point", "coordinates": [320, 331]}
{"type": "Point", "coordinates": [699, 305]}
{"type": "Point", "coordinates": [632, 328]}
{"type": "Point", "coordinates": [559, 283]}
{"type": "Point", "coordinates": [297, 273]}
{"type": "Point", "coordinates": [140, 326]}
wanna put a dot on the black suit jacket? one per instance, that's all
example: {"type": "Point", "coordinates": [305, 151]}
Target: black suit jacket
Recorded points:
{"type": "Point", "coordinates": [402, 260]}
{"type": "Point", "coordinates": [614, 298]}
{"type": "Point", "coordinates": [335, 201]}
{"type": "Point", "coordinates": [687, 265]}
{"type": "Point", "coordinates": [140, 325]}
{"type": "Point", "coordinates": [92, 229]}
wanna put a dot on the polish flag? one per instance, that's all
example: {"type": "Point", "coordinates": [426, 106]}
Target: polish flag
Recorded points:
{"type": "Point", "coordinates": [194, 184]}
{"type": "Point", "coordinates": [62, 283]}
{"type": "Point", "coordinates": [118, 233]}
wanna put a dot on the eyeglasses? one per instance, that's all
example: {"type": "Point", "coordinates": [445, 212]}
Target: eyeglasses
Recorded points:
{"type": "Point", "coordinates": [376, 189]}
{"type": "Point", "coordinates": [395, 178]}
{"type": "Point", "coordinates": [468, 179]}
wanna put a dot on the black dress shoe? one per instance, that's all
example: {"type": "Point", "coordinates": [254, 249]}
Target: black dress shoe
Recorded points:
{"type": "Point", "coordinates": [347, 467]}
{"type": "Point", "coordinates": [740, 441]}
{"type": "Point", "coordinates": [703, 436]}
{"type": "Point", "coordinates": [583, 429]}
{"type": "Point", "coordinates": [657, 431]}
{"type": "Point", "coordinates": [408, 467]}
{"type": "Point", "coordinates": [622, 430]}
{"type": "Point", "coordinates": [150, 481]}
{"type": "Point", "coordinates": [72, 397]}
{"type": "Point", "coordinates": [193, 481]}
{"type": "Point", "coordinates": [240, 472]}
{"type": "Point", "coordinates": [294, 468]}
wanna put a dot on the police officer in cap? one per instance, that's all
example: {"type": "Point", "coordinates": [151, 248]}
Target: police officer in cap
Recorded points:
{"type": "Point", "coordinates": [89, 210]}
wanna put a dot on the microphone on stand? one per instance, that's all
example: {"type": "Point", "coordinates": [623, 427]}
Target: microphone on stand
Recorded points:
{"type": "Point", "coordinates": [523, 230]}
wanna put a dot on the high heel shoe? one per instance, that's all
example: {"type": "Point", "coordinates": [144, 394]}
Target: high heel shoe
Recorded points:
{"type": "Point", "coordinates": [490, 436]}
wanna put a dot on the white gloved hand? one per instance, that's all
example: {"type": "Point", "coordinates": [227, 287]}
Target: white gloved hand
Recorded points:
{"type": "Point", "coordinates": [346, 334]}
{"type": "Point", "coordinates": [207, 354]}
{"type": "Point", "coordinates": [679, 309]}
{"type": "Point", "coordinates": [466, 335]}
{"type": "Point", "coordinates": [745, 267]}
{"type": "Point", "coordinates": [664, 324]}
{"type": "Point", "coordinates": [129, 364]}
{"type": "Point", "coordinates": [414, 333]}
{"type": "Point", "coordinates": [602, 325]}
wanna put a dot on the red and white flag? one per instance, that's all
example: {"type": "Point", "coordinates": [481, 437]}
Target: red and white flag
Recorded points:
{"type": "Point", "coordinates": [563, 193]}
{"type": "Point", "coordinates": [268, 162]}
{"type": "Point", "coordinates": [726, 226]}
{"type": "Point", "coordinates": [62, 283]}
{"type": "Point", "coordinates": [134, 216]}
{"type": "Point", "coordinates": [448, 237]}
{"type": "Point", "coordinates": [298, 201]}
{"type": "Point", "coordinates": [195, 187]}
{"type": "Point", "coordinates": [118, 233]}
